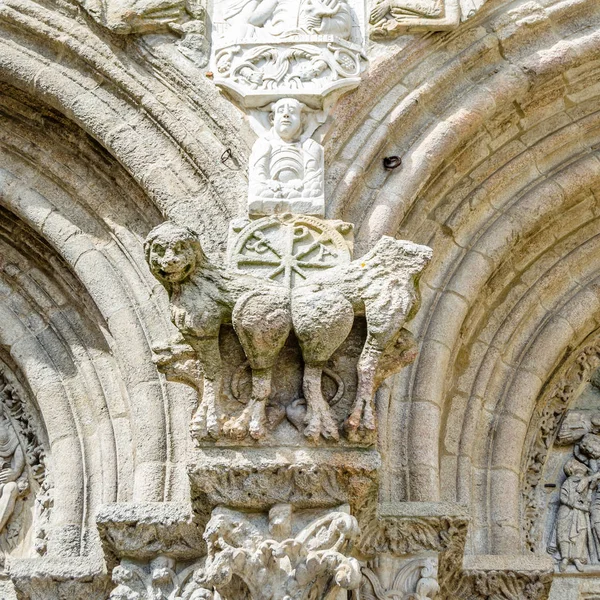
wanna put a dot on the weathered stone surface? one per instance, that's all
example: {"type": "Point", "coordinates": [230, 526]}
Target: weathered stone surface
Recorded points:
{"type": "Point", "coordinates": [468, 127]}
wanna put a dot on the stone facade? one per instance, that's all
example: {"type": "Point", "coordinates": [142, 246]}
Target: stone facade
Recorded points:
{"type": "Point", "coordinates": [299, 300]}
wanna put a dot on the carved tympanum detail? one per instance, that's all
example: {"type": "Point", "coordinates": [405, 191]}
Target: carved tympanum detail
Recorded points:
{"type": "Point", "coordinates": [382, 285]}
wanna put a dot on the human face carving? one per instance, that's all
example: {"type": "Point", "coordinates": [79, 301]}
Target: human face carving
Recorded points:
{"type": "Point", "coordinates": [172, 260]}
{"type": "Point", "coordinates": [287, 119]}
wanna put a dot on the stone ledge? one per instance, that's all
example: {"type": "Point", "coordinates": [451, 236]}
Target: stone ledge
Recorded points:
{"type": "Point", "coordinates": [259, 478]}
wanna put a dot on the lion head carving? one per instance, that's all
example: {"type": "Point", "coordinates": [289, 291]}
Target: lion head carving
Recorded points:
{"type": "Point", "coordinates": [172, 252]}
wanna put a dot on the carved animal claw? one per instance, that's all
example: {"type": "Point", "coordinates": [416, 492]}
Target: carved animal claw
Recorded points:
{"type": "Point", "coordinates": [205, 424]}
{"type": "Point", "coordinates": [252, 421]}
{"type": "Point", "coordinates": [361, 423]}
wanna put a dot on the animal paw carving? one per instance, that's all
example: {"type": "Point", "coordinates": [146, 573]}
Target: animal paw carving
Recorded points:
{"type": "Point", "coordinates": [321, 423]}
{"type": "Point", "coordinates": [252, 421]}
{"type": "Point", "coordinates": [360, 425]}
{"type": "Point", "coordinates": [205, 423]}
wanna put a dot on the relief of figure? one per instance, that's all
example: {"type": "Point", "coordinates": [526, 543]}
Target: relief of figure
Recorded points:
{"type": "Point", "coordinates": [12, 465]}
{"type": "Point", "coordinates": [573, 528]}
{"type": "Point", "coordinates": [382, 285]}
{"type": "Point", "coordinates": [280, 18]}
{"type": "Point", "coordinates": [286, 172]}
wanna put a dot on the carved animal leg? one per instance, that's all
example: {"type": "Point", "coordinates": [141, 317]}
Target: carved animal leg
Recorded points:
{"type": "Point", "coordinates": [322, 321]}
{"type": "Point", "coordinates": [253, 419]}
{"type": "Point", "coordinates": [363, 413]}
{"type": "Point", "coordinates": [318, 415]}
{"type": "Point", "coordinates": [263, 323]}
{"type": "Point", "coordinates": [205, 422]}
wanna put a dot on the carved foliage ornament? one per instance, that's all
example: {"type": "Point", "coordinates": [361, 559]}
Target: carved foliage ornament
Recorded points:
{"type": "Point", "coordinates": [382, 285]}
{"type": "Point", "coordinates": [300, 567]}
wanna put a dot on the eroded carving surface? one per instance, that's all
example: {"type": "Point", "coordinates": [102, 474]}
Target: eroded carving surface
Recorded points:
{"type": "Point", "coordinates": [381, 286]}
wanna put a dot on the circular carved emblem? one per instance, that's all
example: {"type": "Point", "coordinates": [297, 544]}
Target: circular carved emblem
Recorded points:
{"type": "Point", "coordinates": [289, 249]}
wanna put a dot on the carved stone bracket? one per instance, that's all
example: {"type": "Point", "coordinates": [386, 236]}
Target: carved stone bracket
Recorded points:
{"type": "Point", "coordinates": [56, 579]}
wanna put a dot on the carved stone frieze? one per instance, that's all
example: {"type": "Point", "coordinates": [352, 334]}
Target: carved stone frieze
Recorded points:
{"type": "Point", "coordinates": [382, 285]}
{"type": "Point", "coordinates": [302, 49]}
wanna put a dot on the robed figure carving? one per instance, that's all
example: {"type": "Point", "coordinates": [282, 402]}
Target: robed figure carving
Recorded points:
{"type": "Point", "coordinates": [12, 465]}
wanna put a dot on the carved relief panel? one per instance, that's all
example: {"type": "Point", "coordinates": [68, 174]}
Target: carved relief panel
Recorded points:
{"type": "Point", "coordinates": [315, 319]}
{"type": "Point", "coordinates": [304, 49]}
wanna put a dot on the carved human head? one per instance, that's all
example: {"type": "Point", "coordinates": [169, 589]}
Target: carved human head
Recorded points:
{"type": "Point", "coordinates": [574, 467]}
{"type": "Point", "coordinates": [172, 252]}
{"type": "Point", "coordinates": [590, 445]}
{"type": "Point", "coordinates": [287, 117]}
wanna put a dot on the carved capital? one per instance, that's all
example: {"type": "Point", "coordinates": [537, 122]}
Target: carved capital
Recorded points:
{"type": "Point", "coordinates": [282, 556]}
{"type": "Point", "coordinates": [506, 577]}
{"type": "Point", "coordinates": [142, 532]}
